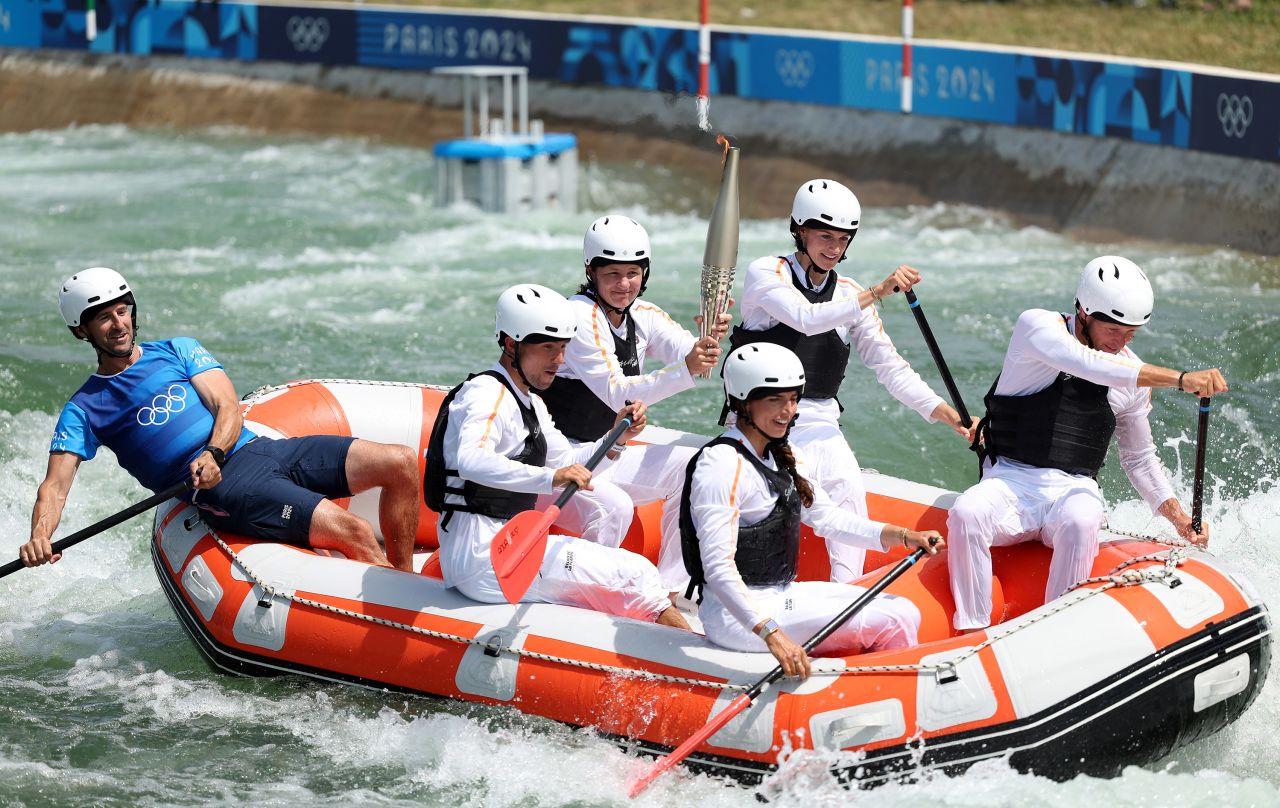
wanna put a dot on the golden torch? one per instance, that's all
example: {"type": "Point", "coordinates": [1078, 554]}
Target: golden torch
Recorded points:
{"type": "Point", "coordinates": [721, 255]}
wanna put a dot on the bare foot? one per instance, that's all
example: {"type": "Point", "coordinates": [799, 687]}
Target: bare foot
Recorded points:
{"type": "Point", "coordinates": [671, 617]}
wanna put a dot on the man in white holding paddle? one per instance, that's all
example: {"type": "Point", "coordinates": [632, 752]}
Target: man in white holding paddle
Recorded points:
{"type": "Point", "coordinates": [494, 449]}
{"type": "Point", "coordinates": [170, 414]}
{"type": "Point", "coordinates": [1067, 385]}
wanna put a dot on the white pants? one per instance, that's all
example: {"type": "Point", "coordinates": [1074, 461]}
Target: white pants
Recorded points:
{"type": "Point", "coordinates": [838, 472]}
{"type": "Point", "coordinates": [601, 515]}
{"type": "Point", "coordinates": [802, 608]}
{"type": "Point", "coordinates": [573, 573]}
{"type": "Point", "coordinates": [1015, 503]}
{"type": "Point", "coordinates": [648, 473]}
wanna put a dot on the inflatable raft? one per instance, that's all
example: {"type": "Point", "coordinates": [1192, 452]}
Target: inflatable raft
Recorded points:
{"type": "Point", "coordinates": [1164, 646]}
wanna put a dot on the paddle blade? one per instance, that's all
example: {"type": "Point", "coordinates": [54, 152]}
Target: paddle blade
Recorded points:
{"type": "Point", "coordinates": [517, 551]}
{"type": "Point", "coordinates": [685, 749]}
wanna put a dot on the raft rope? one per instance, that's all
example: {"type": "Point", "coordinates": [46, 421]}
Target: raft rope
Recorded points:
{"type": "Point", "coordinates": [945, 672]}
{"type": "Point", "coordinates": [491, 648]}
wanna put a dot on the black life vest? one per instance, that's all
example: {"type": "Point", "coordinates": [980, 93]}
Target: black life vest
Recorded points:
{"type": "Point", "coordinates": [445, 492]}
{"type": "Point", "coordinates": [1068, 426]}
{"type": "Point", "coordinates": [578, 412]}
{"type": "Point", "coordinates": [769, 551]}
{"type": "Point", "coordinates": [824, 356]}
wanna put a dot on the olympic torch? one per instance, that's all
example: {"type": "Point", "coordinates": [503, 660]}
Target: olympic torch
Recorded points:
{"type": "Point", "coordinates": [721, 255]}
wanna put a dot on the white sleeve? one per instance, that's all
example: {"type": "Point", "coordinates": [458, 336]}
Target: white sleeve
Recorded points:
{"type": "Point", "coordinates": [484, 417]}
{"type": "Point", "coordinates": [768, 286]}
{"type": "Point", "coordinates": [560, 451]}
{"type": "Point", "coordinates": [593, 359]}
{"type": "Point", "coordinates": [713, 506]}
{"type": "Point", "coordinates": [1046, 339]}
{"type": "Point", "coordinates": [1138, 455]}
{"type": "Point", "coordinates": [668, 341]}
{"type": "Point", "coordinates": [878, 353]}
{"type": "Point", "coordinates": [830, 521]}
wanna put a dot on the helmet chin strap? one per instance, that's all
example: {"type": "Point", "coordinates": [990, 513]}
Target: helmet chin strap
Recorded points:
{"type": "Point", "coordinates": [515, 361]}
{"type": "Point", "coordinates": [1084, 321]}
{"type": "Point", "coordinates": [606, 305]}
{"type": "Point", "coordinates": [770, 442]}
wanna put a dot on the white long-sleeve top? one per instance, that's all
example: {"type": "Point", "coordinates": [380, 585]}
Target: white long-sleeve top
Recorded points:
{"type": "Point", "coordinates": [592, 357]}
{"type": "Point", "coordinates": [1044, 344]}
{"type": "Point", "coordinates": [728, 491]}
{"type": "Point", "coordinates": [769, 297]}
{"type": "Point", "coordinates": [485, 430]}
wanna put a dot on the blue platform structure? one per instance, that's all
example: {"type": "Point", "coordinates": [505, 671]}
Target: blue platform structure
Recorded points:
{"type": "Point", "coordinates": [506, 163]}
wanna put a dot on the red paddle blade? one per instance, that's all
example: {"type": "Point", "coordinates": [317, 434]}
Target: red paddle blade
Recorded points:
{"type": "Point", "coordinates": [517, 551]}
{"type": "Point", "coordinates": [697, 739]}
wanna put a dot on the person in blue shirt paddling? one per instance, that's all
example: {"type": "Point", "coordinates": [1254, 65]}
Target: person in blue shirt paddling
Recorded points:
{"type": "Point", "coordinates": [168, 410]}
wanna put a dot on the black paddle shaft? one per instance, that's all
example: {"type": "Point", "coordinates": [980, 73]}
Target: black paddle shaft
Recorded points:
{"type": "Point", "coordinates": [840, 619]}
{"type": "Point", "coordinates": [594, 460]}
{"type": "Point", "coordinates": [106, 524]}
{"type": "Point", "coordinates": [1197, 490]}
{"type": "Point", "coordinates": [937, 357]}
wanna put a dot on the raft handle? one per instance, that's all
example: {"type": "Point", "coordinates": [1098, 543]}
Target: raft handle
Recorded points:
{"type": "Point", "coordinates": [945, 673]}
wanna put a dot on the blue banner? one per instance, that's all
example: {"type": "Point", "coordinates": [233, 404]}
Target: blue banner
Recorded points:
{"type": "Point", "coordinates": [20, 23]}
{"type": "Point", "coordinates": [409, 40]}
{"type": "Point", "coordinates": [324, 35]}
{"type": "Point", "coordinates": [792, 68]}
{"type": "Point", "coordinates": [1236, 116]}
{"type": "Point", "coordinates": [1146, 104]}
{"type": "Point", "coordinates": [1221, 114]}
{"type": "Point", "coordinates": [947, 82]}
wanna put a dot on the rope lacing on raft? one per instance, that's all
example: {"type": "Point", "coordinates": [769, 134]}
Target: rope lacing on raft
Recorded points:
{"type": "Point", "coordinates": [491, 647]}
{"type": "Point", "coordinates": [945, 671]}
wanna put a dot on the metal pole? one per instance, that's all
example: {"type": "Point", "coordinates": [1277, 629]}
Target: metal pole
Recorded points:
{"type": "Point", "coordinates": [704, 51]}
{"type": "Point", "coordinates": [907, 30]}
{"type": "Point", "coordinates": [506, 105]}
{"type": "Point", "coordinates": [524, 101]}
{"type": "Point", "coordinates": [466, 106]}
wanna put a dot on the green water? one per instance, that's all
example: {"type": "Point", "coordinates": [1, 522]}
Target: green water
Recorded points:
{"type": "Point", "coordinates": [325, 258]}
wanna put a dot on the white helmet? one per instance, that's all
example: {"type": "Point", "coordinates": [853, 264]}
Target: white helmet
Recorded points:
{"type": "Point", "coordinates": [761, 364]}
{"type": "Point", "coordinates": [88, 288]}
{"type": "Point", "coordinates": [1116, 289]}
{"type": "Point", "coordinates": [828, 202]}
{"type": "Point", "coordinates": [527, 309]}
{"type": "Point", "coordinates": [620, 239]}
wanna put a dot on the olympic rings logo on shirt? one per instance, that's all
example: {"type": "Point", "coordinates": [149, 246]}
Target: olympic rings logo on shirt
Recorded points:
{"type": "Point", "coordinates": [795, 67]}
{"type": "Point", "coordinates": [171, 401]}
{"type": "Point", "coordinates": [308, 34]}
{"type": "Point", "coordinates": [1235, 113]}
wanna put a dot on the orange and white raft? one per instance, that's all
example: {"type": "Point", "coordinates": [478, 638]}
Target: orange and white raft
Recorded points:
{"type": "Point", "coordinates": [1164, 646]}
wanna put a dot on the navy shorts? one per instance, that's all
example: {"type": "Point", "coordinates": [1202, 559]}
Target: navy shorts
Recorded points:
{"type": "Point", "coordinates": [270, 488]}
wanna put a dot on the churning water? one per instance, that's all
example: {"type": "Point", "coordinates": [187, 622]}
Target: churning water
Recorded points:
{"type": "Point", "coordinates": [315, 258]}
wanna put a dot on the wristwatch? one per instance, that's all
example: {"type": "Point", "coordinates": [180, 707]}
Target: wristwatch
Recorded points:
{"type": "Point", "coordinates": [766, 628]}
{"type": "Point", "coordinates": [219, 456]}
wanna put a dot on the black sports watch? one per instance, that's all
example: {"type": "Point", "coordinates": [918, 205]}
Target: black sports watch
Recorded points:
{"type": "Point", "coordinates": [219, 456]}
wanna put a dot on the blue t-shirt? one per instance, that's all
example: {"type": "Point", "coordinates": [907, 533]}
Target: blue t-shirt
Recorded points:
{"type": "Point", "coordinates": [149, 414]}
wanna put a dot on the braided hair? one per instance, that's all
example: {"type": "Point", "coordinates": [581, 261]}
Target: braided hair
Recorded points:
{"type": "Point", "coordinates": [780, 448]}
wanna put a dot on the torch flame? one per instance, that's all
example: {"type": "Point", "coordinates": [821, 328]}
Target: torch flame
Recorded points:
{"type": "Point", "coordinates": [722, 140]}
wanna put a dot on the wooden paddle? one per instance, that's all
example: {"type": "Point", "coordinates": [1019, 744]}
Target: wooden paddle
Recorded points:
{"type": "Point", "coordinates": [106, 524]}
{"type": "Point", "coordinates": [743, 701]}
{"type": "Point", "coordinates": [1197, 489]}
{"type": "Point", "coordinates": [518, 548]}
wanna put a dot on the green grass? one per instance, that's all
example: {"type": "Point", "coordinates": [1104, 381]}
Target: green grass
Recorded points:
{"type": "Point", "coordinates": [1194, 31]}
